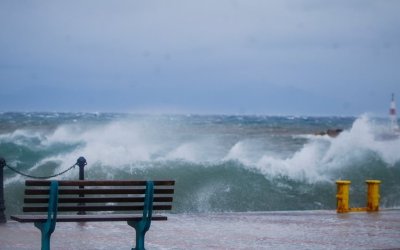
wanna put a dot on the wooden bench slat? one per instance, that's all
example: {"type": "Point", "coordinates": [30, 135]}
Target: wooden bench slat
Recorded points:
{"type": "Point", "coordinates": [85, 218]}
{"type": "Point", "coordinates": [96, 208]}
{"type": "Point", "coordinates": [96, 191]}
{"type": "Point", "coordinates": [100, 183]}
{"type": "Point", "coordinates": [97, 199]}
{"type": "Point", "coordinates": [85, 191]}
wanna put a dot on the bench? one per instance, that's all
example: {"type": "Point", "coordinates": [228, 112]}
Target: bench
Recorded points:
{"type": "Point", "coordinates": [47, 202]}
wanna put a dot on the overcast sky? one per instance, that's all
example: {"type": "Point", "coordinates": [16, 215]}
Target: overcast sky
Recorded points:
{"type": "Point", "coordinates": [225, 57]}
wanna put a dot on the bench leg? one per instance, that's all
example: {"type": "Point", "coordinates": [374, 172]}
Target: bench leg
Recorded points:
{"type": "Point", "coordinates": [45, 234]}
{"type": "Point", "coordinates": [47, 227]}
{"type": "Point", "coordinates": [141, 229]}
{"type": "Point", "coordinates": [143, 225]}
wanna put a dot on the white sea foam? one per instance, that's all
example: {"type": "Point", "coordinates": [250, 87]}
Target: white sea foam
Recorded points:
{"type": "Point", "coordinates": [239, 152]}
{"type": "Point", "coordinates": [190, 151]}
{"type": "Point", "coordinates": [116, 144]}
{"type": "Point", "coordinates": [121, 143]}
{"type": "Point", "coordinates": [127, 143]}
{"type": "Point", "coordinates": [322, 154]}
{"type": "Point", "coordinates": [24, 137]}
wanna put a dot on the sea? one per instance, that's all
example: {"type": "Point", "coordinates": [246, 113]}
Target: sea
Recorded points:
{"type": "Point", "coordinates": [221, 163]}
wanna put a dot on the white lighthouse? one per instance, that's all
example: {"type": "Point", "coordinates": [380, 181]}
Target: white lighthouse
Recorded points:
{"type": "Point", "coordinates": [393, 118]}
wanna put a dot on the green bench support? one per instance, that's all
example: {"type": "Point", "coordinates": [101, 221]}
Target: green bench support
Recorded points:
{"type": "Point", "coordinates": [47, 228]}
{"type": "Point", "coordinates": [142, 226]}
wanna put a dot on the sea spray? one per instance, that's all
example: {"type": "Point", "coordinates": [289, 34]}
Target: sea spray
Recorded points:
{"type": "Point", "coordinates": [220, 163]}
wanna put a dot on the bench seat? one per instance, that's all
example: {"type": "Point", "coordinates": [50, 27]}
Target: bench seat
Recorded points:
{"type": "Point", "coordinates": [84, 218]}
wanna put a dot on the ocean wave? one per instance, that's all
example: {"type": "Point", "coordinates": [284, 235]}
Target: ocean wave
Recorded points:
{"type": "Point", "coordinates": [219, 163]}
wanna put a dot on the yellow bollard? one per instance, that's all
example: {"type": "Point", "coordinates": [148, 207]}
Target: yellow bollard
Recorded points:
{"type": "Point", "coordinates": [373, 196]}
{"type": "Point", "coordinates": [342, 196]}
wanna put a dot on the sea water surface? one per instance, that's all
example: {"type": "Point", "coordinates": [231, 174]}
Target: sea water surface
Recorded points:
{"type": "Point", "coordinates": [221, 163]}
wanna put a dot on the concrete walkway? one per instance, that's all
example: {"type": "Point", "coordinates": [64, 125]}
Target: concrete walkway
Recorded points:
{"type": "Point", "coordinates": [258, 230]}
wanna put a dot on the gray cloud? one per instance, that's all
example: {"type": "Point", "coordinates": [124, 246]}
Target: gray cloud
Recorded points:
{"type": "Point", "coordinates": [177, 52]}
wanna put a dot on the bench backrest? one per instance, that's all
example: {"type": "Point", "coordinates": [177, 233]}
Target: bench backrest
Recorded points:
{"type": "Point", "coordinates": [123, 196]}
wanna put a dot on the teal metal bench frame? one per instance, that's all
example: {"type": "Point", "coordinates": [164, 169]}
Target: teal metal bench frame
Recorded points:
{"type": "Point", "coordinates": [141, 227]}
{"type": "Point", "coordinates": [47, 228]}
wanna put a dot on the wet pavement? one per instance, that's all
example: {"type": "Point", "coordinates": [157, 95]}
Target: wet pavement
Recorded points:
{"type": "Point", "coordinates": [253, 230]}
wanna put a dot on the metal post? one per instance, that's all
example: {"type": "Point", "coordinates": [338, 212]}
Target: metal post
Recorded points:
{"type": "Point", "coordinates": [81, 163]}
{"type": "Point", "coordinates": [2, 206]}
{"type": "Point", "coordinates": [373, 196]}
{"type": "Point", "coordinates": [342, 196]}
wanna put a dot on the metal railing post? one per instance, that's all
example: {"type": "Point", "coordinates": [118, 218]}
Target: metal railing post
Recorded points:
{"type": "Point", "coordinates": [2, 206]}
{"type": "Point", "coordinates": [81, 162]}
